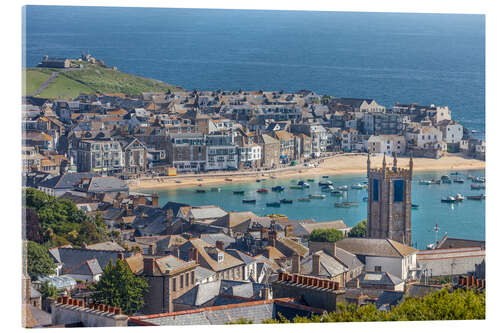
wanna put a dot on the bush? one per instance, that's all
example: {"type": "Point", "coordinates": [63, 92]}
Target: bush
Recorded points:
{"type": "Point", "coordinates": [359, 230]}
{"type": "Point", "coordinates": [326, 235]}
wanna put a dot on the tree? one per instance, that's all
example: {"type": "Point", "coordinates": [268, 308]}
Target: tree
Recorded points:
{"type": "Point", "coordinates": [326, 235]}
{"type": "Point", "coordinates": [32, 230]}
{"type": "Point", "coordinates": [39, 262]}
{"type": "Point", "coordinates": [359, 230]}
{"type": "Point", "coordinates": [48, 290]}
{"type": "Point", "coordinates": [119, 287]}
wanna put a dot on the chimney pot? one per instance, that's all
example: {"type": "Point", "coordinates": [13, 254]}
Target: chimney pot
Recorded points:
{"type": "Point", "coordinates": [316, 264]}
{"type": "Point", "coordinates": [118, 311]}
{"type": "Point", "coordinates": [220, 245]}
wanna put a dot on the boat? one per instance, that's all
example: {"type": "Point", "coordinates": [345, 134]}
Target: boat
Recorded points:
{"type": "Point", "coordinates": [478, 180]}
{"type": "Point", "coordinates": [357, 186]}
{"type": "Point", "coordinates": [459, 197]}
{"type": "Point", "coordinates": [476, 197]}
{"type": "Point", "coordinates": [262, 190]}
{"type": "Point", "coordinates": [200, 185]}
{"type": "Point", "coordinates": [414, 206]}
{"type": "Point", "coordinates": [304, 184]}
{"type": "Point", "coordinates": [328, 188]}
{"type": "Point", "coordinates": [286, 201]}
{"type": "Point", "coordinates": [273, 204]}
{"type": "Point", "coordinates": [325, 176]}
{"type": "Point", "coordinates": [342, 188]}
{"type": "Point", "coordinates": [310, 180]}
{"type": "Point", "coordinates": [445, 179]}
{"type": "Point", "coordinates": [296, 187]}
{"type": "Point", "coordinates": [239, 192]}
{"type": "Point", "coordinates": [454, 173]}
{"type": "Point", "coordinates": [278, 188]}
{"type": "Point", "coordinates": [365, 198]}
{"type": "Point", "coordinates": [178, 181]}
{"type": "Point", "coordinates": [228, 179]}
{"type": "Point", "coordinates": [469, 176]}
{"type": "Point", "coordinates": [249, 201]}
{"type": "Point", "coordinates": [273, 177]}
{"type": "Point", "coordinates": [425, 182]}
{"type": "Point", "coordinates": [473, 131]}
{"type": "Point", "coordinates": [257, 180]}
{"type": "Point", "coordinates": [436, 181]}
{"type": "Point", "coordinates": [448, 199]}
{"type": "Point", "coordinates": [337, 193]}
{"type": "Point", "coordinates": [325, 183]}
{"type": "Point", "coordinates": [346, 204]}
{"type": "Point", "coordinates": [477, 187]}
{"type": "Point", "coordinates": [215, 189]}
{"type": "Point", "coordinates": [317, 196]}
{"type": "Point", "coordinates": [200, 191]}
{"type": "Point", "coordinates": [458, 180]}
{"type": "Point", "coordinates": [304, 199]}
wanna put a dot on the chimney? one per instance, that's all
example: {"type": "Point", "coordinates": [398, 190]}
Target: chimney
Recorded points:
{"type": "Point", "coordinates": [116, 204]}
{"type": "Point", "coordinates": [296, 264]}
{"type": "Point", "coordinates": [288, 231]}
{"type": "Point", "coordinates": [154, 199]}
{"type": "Point", "coordinates": [220, 245]}
{"type": "Point", "coordinates": [193, 254]}
{"type": "Point", "coordinates": [121, 256]}
{"type": "Point", "coordinates": [149, 266]}
{"type": "Point", "coordinates": [152, 249]}
{"type": "Point", "coordinates": [357, 283]}
{"type": "Point", "coordinates": [316, 264]}
{"type": "Point", "coordinates": [334, 249]}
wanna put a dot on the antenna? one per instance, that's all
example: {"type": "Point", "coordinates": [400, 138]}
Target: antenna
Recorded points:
{"type": "Point", "coordinates": [436, 229]}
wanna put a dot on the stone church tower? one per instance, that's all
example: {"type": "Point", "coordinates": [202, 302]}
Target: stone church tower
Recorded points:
{"type": "Point", "coordinates": [389, 201]}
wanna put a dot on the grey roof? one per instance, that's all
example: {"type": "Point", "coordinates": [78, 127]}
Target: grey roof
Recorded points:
{"type": "Point", "coordinates": [149, 220]}
{"type": "Point", "coordinates": [379, 278]}
{"type": "Point", "coordinates": [42, 318]}
{"type": "Point", "coordinates": [247, 259]}
{"type": "Point", "coordinates": [66, 181]}
{"type": "Point", "coordinates": [213, 238]}
{"type": "Point", "coordinates": [348, 259]}
{"type": "Point", "coordinates": [200, 294]}
{"type": "Point", "coordinates": [329, 266]}
{"type": "Point", "coordinates": [106, 246]}
{"type": "Point", "coordinates": [375, 247]}
{"type": "Point", "coordinates": [34, 293]}
{"type": "Point", "coordinates": [207, 212]}
{"type": "Point", "coordinates": [107, 184]}
{"type": "Point", "coordinates": [175, 206]}
{"type": "Point", "coordinates": [388, 299]}
{"type": "Point", "coordinates": [90, 267]}
{"type": "Point", "coordinates": [201, 273]}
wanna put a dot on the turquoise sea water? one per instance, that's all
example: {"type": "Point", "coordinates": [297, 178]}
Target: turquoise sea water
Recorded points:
{"type": "Point", "coordinates": [424, 58]}
{"type": "Point", "coordinates": [462, 220]}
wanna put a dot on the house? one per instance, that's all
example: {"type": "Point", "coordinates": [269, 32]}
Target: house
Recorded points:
{"type": "Point", "coordinates": [201, 214]}
{"type": "Point", "coordinates": [386, 144]}
{"type": "Point", "coordinates": [383, 255]}
{"type": "Point", "coordinates": [250, 268]}
{"type": "Point", "coordinates": [134, 153]}
{"type": "Point", "coordinates": [452, 131]}
{"type": "Point", "coordinates": [235, 221]}
{"type": "Point", "coordinates": [55, 62]}
{"type": "Point", "coordinates": [287, 146]}
{"type": "Point", "coordinates": [358, 104]}
{"type": "Point", "coordinates": [57, 186]}
{"type": "Point", "coordinates": [222, 153]}
{"type": "Point", "coordinates": [187, 152]}
{"type": "Point", "coordinates": [450, 261]}
{"type": "Point", "coordinates": [100, 155]}
{"type": "Point", "coordinates": [107, 184]}
{"type": "Point", "coordinates": [304, 229]}
{"type": "Point", "coordinates": [250, 155]}
{"type": "Point", "coordinates": [381, 280]}
{"type": "Point", "coordinates": [270, 150]}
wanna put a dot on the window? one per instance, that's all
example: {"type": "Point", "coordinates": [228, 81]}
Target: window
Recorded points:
{"type": "Point", "coordinates": [378, 268]}
{"type": "Point", "coordinates": [192, 277]}
{"type": "Point", "coordinates": [182, 281]}
{"type": "Point", "coordinates": [375, 190]}
{"type": "Point", "coordinates": [174, 284]}
{"type": "Point", "coordinates": [398, 190]}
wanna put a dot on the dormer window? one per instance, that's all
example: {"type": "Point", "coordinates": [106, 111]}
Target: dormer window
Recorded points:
{"type": "Point", "coordinates": [220, 257]}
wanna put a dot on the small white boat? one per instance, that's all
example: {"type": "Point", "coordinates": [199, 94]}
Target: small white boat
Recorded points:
{"type": "Point", "coordinates": [459, 197]}
{"type": "Point", "coordinates": [342, 188]}
{"type": "Point", "coordinates": [317, 196]}
{"type": "Point", "coordinates": [357, 186]}
{"type": "Point", "coordinates": [425, 182]}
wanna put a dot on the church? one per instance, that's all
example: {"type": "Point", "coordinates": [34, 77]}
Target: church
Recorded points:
{"type": "Point", "coordinates": [389, 201]}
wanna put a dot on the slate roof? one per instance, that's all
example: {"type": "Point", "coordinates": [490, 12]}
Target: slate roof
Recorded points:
{"type": "Point", "coordinates": [375, 247]}
{"type": "Point", "coordinates": [213, 238]}
{"type": "Point", "coordinates": [233, 219]}
{"type": "Point", "coordinates": [90, 267]}
{"type": "Point", "coordinates": [34, 317]}
{"type": "Point", "coordinates": [106, 246]}
{"type": "Point", "coordinates": [174, 206]}
{"type": "Point", "coordinates": [308, 228]}
{"type": "Point", "coordinates": [449, 242]}
{"type": "Point", "coordinates": [107, 184]}
{"type": "Point", "coordinates": [348, 259]}
{"type": "Point", "coordinates": [329, 266]}
{"type": "Point", "coordinates": [66, 181]}
{"type": "Point", "coordinates": [200, 294]}
{"type": "Point", "coordinates": [207, 261]}
{"type": "Point", "coordinates": [388, 299]}
{"type": "Point", "coordinates": [201, 273]}
{"type": "Point", "coordinates": [247, 259]}
{"type": "Point", "coordinates": [379, 278]}
{"type": "Point", "coordinates": [207, 212]}
{"type": "Point", "coordinates": [288, 247]}
{"type": "Point", "coordinates": [169, 263]}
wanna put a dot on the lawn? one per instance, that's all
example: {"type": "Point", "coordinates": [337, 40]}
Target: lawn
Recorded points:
{"type": "Point", "coordinates": [63, 87]}
{"type": "Point", "coordinates": [32, 79]}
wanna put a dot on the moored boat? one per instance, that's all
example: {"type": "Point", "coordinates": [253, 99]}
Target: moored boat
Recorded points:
{"type": "Point", "coordinates": [228, 179]}
{"type": "Point", "coordinates": [476, 197]}
{"type": "Point", "coordinates": [448, 199]}
{"type": "Point", "coordinates": [414, 206]}
{"type": "Point", "coordinates": [325, 183]}
{"type": "Point", "coordinates": [357, 186]}
{"type": "Point", "coordinates": [286, 201]}
{"type": "Point", "coordinates": [278, 188]}
{"type": "Point", "coordinates": [337, 193]}
{"type": "Point", "coordinates": [328, 188]}
{"type": "Point", "coordinates": [310, 180]}
{"type": "Point", "coordinates": [317, 196]}
{"type": "Point", "coordinates": [346, 204]}
{"type": "Point", "coordinates": [425, 182]}
{"type": "Point", "coordinates": [273, 204]}
{"type": "Point", "coordinates": [478, 180]}
{"type": "Point", "coordinates": [477, 187]}
{"type": "Point", "coordinates": [304, 199]}
{"type": "Point", "coordinates": [459, 180]}
{"type": "Point", "coordinates": [200, 191]}
{"type": "Point", "coordinates": [342, 188]}
{"type": "Point", "coordinates": [262, 190]}
{"type": "Point", "coordinates": [249, 201]}
{"type": "Point", "coordinates": [215, 189]}
{"type": "Point", "coordinates": [239, 192]}
{"type": "Point", "coordinates": [459, 197]}
{"type": "Point", "coordinates": [446, 179]}
{"type": "Point", "coordinates": [365, 198]}
{"type": "Point", "coordinates": [325, 176]}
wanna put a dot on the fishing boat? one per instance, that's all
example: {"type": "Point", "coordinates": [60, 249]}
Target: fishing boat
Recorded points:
{"type": "Point", "coordinates": [262, 190]}
{"type": "Point", "coordinates": [459, 180]}
{"type": "Point", "coordinates": [239, 192]}
{"type": "Point", "coordinates": [325, 176]}
{"type": "Point", "coordinates": [414, 206]}
{"type": "Point", "coordinates": [477, 187]}
{"type": "Point", "coordinates": [215, 189]}
{"type": "Point", "coordinates": [304, 199]}
{"type": "Point", "coordinates": [337, 193]}
{"type": "Point", "coordinates": [178, 181]}
{"type": "Point", "coordinates": [273, 204]}
{"type": "Point", "coordinates": [325, 183]}
{"type": "Point", "coordinates": [346, 204]}
{"type": "Point", "coordinates": [296, 187]}
{"type": "Point", "coordinates": [357, 186]}
{"type": "Point", "coordinates": [459, 197]}
{"type": "Point", "coordinates": [249, 201]}
{"type": "Point", "coordinates": [342, 188]}
{"type": "Point", "coordinates": [286, 201]}
{"type": "Point", "coordinates": [278, 188]}
{"type": "Point", "coordinates": [328, 188]}
{"type": "Point", "coordinates": [476, 197]}
{"type": "Point", "coordinates": [449, 199]}
{"type": "Point", "coordinates": [317, 196]}
{"type": "Point", "coordinates": [303, 184]}
{"type": "Point", "coordinates": [425, 182]}
{"type": "Point", "coordinates": [445, 179]}
{"type": "Point", "coordinates": [200, 191]}
{"type": "Point", "coordinates": [478, 180]}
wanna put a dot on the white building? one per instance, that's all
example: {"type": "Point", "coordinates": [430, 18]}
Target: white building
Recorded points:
{"type": "Point", "coordinates": [452, 131]}
{"type": "Point", "coordinates": [386, 144]}
{"type": "Point", "coordinates": [250, 154]}
{"type": "Point", "coordinates": [383, 255]}
{"type": "Point", "coordinates": [424, 137]}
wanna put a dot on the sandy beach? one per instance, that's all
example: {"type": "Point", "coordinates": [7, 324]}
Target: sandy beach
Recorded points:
{"type": "Point", "coordinates": [336, 165]}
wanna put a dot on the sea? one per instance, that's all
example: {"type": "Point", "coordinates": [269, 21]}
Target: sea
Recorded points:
{"type": "Point", "coordinates": [464, 219]}
{"type": "Point", "coordinates": [390, 57]}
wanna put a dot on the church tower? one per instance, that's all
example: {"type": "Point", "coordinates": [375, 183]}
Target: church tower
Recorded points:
{"type": "Point", "coordinates": [389, 201]}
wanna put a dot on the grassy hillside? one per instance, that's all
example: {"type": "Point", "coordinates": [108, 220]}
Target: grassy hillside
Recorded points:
{"type": "Point", "coordinates": [90, 79]}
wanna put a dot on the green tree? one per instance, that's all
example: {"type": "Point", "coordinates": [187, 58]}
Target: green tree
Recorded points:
{"type": "Point", "coordinates": [359, 230]}
{"type": "Point", "coordinates": [39, 262]}
{"type": "Point", "coordinates": [118, 286]}
{"type": "Point", "coordinates": [326, 235]}
{"type": "Point", "coordinates": [48, 290]}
